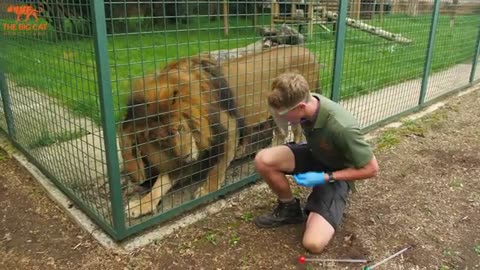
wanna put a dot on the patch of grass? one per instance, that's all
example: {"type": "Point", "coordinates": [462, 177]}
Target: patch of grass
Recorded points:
{"type": "Point", "coordinates": [476, 248]}
{"type": "Point", "coordinates": [447, 252]}
{"type": "Point", "coordinates": [388, 139]}
{"type": "Point", "coordinates": [234, 238]}
{"type": "Point", "coordinates": [234, 224]}
{"type": "Point", "coordinates": [411, 127]}
{"type": "Point", "coordinates": [419, 128]}
{"type": "Point", "coordinates": [456, 184]}
{"type": "Point", "coordinates": [247, 216]}
{"type": "Point", "coordinates": [436, 119]}
{"type": "Point", "coordinates": [47, 138]}
{"type": "Point", "coordinates": [211, 237]}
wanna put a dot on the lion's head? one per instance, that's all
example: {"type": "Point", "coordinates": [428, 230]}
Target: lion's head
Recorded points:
{"type": "Point", "coordinates": [176, 120]}
{"type": "Point", "coordinates": [174, 134]}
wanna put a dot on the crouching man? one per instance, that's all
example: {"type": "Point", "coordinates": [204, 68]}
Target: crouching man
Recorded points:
{"type": "Point", "coordinates": [334, 155]}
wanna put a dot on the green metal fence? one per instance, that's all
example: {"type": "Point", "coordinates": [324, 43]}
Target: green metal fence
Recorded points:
{"type": "Point", "coordinates": [84, 98]}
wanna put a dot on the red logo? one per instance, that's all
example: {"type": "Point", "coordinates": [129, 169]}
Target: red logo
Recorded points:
{"type": "Point", "coordinates": [28, 12]}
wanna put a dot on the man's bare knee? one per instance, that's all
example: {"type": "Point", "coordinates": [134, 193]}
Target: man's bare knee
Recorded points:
{"type": "Point", "coordinates": [263, 160]}
{"type": "Point", "coordinates": [318, 233]}
{"type": "Point", "coordinates": [315, 245]}
{"type": "Point", "coordinates": [279, 158]}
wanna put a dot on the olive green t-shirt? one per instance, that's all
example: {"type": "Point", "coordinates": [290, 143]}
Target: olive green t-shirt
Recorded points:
{"type": "Point", "coordinates": [335, 138]}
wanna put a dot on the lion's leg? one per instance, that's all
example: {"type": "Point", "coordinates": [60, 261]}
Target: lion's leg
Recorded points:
{"type": "Point", "coordinates": [280, 131]}
{"type": "Point", "coordinates": [135, 169]}
{"type": "Point", "coordinates": [147, 203]}
{"type": "Point", "coordinates": [297, 133]}
{"type": "Point", "coordinates": [133, 165]}
{"type": "Point", "coordinates": [217, 173]}
{"type": "Point", "coordinates": [278, 137]}
{"type": "Point", "coordinates": [242, 148]}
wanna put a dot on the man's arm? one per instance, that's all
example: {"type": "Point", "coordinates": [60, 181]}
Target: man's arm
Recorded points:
{"type": "Point", "coordinates": [350, 174]}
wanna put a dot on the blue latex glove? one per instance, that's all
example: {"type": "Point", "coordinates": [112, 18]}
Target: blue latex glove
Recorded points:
{"type": "Point", "coordinates": [310, 179]}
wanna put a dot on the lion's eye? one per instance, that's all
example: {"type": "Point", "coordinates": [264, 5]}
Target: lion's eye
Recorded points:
{"type": "Point", "coordinates": [173, 132]}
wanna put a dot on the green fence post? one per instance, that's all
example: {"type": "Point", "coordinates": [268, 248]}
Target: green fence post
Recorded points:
{"type": "Point", "coordinates": [428, 59]}
{"type": "Point", "coordinates": [107, 114]}
{"type": "Point", "coordinates": [475, 58]}
{"type": "Point", "coordinates": [339, 49]}
{"type": "Point", "coordinates": [7, 108]}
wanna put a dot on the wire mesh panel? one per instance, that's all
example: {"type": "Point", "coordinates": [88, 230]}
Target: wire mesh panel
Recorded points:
{"type": "Point", "coordinates": [453, 52]}
{"type": "Point", "coordinates": [142, 109]}
{"type": "Point", "coordinates": [47, 57]}
{"type": "Point", "coordinates": [191, 88]}
{"type": "Point", "coordinates": [386, 54]}
{"type": "Point", "coordinates": [384, 58]}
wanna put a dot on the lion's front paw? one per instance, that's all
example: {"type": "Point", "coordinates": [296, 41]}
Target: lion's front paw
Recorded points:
{"type": "Point", "coordinates": [132, 189]}
{"type": "Point", "coordinates": [241, 150]}
{"type": "Point", "coordinates": [137, 209]}
{"type": "Point", "coordinates": [278, 139]}
{"type": "Point", "coordinates": [200, 192]}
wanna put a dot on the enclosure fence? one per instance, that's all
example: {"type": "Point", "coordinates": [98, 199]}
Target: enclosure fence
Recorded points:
{"type": "Point", "coordinates": [141, 110]}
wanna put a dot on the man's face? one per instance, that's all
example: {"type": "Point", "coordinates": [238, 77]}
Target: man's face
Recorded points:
{"type": "Point", "coordinates": [293, 115]}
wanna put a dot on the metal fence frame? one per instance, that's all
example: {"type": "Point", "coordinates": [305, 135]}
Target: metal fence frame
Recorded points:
{"type": "Point", "coordinates": [119, 230]}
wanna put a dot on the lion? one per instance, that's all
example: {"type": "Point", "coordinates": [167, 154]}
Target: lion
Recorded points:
{"type": "Point", "coordinates": [250, 78]}
{"type": "Point", "coordinates": [191, 119]}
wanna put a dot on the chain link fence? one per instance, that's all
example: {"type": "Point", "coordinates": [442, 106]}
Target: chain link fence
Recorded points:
{"type": "Point", "coordinates": [141, 110]}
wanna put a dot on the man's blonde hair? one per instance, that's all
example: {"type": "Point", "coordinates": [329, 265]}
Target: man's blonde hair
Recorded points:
{"type": "Point", "coordinates": [288, 89]}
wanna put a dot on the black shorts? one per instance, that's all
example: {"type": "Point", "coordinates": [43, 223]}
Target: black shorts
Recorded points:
{"type": "Point", "coordinates": [328, 200]}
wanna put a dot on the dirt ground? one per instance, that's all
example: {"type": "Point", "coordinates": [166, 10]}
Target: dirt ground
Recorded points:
{"type": "Point", "coordinates": [427, 194]}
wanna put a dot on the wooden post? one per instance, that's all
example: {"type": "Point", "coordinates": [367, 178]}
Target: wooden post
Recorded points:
{"type": "Point", "coordinates": [382, 7]}
{"type": "Point", "coordinates": [310, 17]}
{"type": "Point", "coordinates": [452, 10]}
{"type": "Point", "coordinates": [225, 17]}
{"type": "Point", "coordinates": [274, 10]}
{"type": "Point", "coordinates": [355, 11]}
{"type": "Point", "coordinates": [412, 7]}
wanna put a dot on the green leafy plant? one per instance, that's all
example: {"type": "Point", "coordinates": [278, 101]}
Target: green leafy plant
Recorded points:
{"type": "Point", "coordinates": [388, 140]}
{"type": "Point", "coordinates": [211, 237]}
{"type": "Point", "coordinates": [247, 216]}
{"type": "Point", "coordinates": [234, 238]}
{"type": "Point", "coordinates": [477, 249]}
{"type": "Point", "coordinates": [447, 252]}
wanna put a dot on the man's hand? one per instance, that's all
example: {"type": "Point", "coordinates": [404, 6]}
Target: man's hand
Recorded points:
{"type": "Point", "coordinates": [310, 179]}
